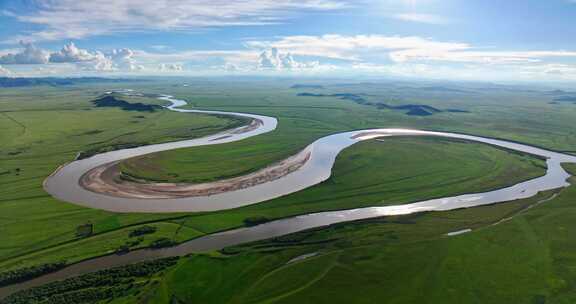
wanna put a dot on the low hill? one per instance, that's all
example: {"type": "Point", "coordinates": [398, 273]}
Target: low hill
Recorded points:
{"type": "Point", "coordinates": [11, 82]}
{"type": "Point", "coordinates": [110, 101]}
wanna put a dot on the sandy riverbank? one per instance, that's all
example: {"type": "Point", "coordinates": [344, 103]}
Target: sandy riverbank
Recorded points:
{"type": "Point", "coordinates": [106, 179]}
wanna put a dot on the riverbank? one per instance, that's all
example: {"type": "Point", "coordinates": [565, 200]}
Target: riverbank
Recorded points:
{"type": "Point", "coordinates": [137, 197]}
{"type": "Point", "coordinates": [108, 179]}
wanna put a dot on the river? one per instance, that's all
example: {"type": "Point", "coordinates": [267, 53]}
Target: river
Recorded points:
{"type": "Point", "coordinates": [63, 184]}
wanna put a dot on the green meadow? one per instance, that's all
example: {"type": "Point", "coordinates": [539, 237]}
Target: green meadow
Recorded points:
{"type": "Point", "coordinates": [388, 258]}
{"type": "Point", "coordinates": [512, 255]}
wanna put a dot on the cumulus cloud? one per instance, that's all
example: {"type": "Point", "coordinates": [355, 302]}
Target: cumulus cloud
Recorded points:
{"type": "Point", "coordinates": [204, 56]}
{"type": "Point", "coordinates": [272, 59]}
{"type": "Point", "coordinates": [4, 71]}
{"type": "Point", "coordinates": [231, 67]}
{"type": "Point", "coordinates": [471, 56]}
{"type": "Point", "coordinates": [398, 49]}
{"type": "Point", "coordinates": [559, 70]}
{"type": "Point", "coordinates": [114, 60]}
{"type": "Point", "coordinates": [399, 55]}
{"type": "Point", "coordinates": [30, 54]}
{"type": "Point", "coordinates": [352, 47]}
{"type": "Point", "coordinates": [123, 59]}
{"type": "Point", "coordinates": [87, 60]}
{"type": "Point", "coordinates": [73, 19]}
{"type": "Point", "coordinates": [70, 53]}
{"type": "Point", "coordinates": [170, 67]}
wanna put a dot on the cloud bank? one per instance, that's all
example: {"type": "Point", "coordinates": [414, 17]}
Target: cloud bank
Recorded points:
{"type": "Point", "coordinates": [400, 49]}
{"type": "Point", "coordinates": [73, 19]}
{"type": "Point", "coordinates": [170, 67]}
{"type": "Point", "coordinates": [30, 54]}
{"type": "Point", "coordinates": [272, 59]}
{"type": "Point", "coordinates": [5, 72]}
{"type": "Point", "coordinates": [378, 54]}
{"type": "Point", "coordinates": [114, 60]}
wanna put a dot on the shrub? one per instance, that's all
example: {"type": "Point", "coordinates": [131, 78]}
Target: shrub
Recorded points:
{"type": "Point", "coordinates": [142, 231]}
{"type": "Point", "coordinates": [85, 230]}
{"type": "Point", "coordinates": [24, 274]}
{"type": "Point", "coordinates": [162, 242]}
{"type": "Point", "coordinates": [255, 220]}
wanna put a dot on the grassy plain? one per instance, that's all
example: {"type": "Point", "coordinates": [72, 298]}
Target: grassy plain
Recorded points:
{"type": "Point", "coordinates": [513, 113]}
{"type": "Point", "coordinates": [44, 127]}
{"type": "Point", "coordinates": [405, 259]}
{"type": "Point", "coordinates": [368, 174]}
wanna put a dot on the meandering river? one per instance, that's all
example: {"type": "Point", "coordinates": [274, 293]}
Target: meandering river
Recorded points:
{"type": "Point", "coordinates": [64, 185]}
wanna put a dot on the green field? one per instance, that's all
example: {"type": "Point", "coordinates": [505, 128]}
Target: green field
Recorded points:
{"type": "Point", "coordinates": [368, 174]}
{"type": "Point", "coordinates": [44, 127]}
{"type": "Point", "coordinates": [520, 116]}
{"type": "Point", "coordinates": [405, 259]}
{"type": "Point", "coordinates": [47, 127]}
{"type": "Point", "coordinates": [401, 259]}
{"type": "Point", "coordinates": [514, 114]}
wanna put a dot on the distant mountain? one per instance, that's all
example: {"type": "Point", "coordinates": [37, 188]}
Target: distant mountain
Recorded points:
{"type": "Point", "coordinates": [307, 86]}
{"type": "Point", "coordinates": [9, 82]}
{"type": "Point", "coordinates": [412, 109]}
{"type": "Point", "coordinates": [110, 101]}
{"type": "Point", "coordinates": [566, 99]}
{"type": "Point", "coordinates": [560, 93]}
{"type": "Point", "coordinates": [409, 109]}
{"type": "Point", "coordinates": [556, 92]}
{"type": "Point", "coordinates": [456, 111]}
{"type": "Point", "coordinates": [306, 94]}
{"type": "Point", "coordinates": [443, 89]}
{"type": "Point", "coordinates": [345, 96]}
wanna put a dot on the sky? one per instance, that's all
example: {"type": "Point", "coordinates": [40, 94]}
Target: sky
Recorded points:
{"type": "Point", "coordinates": [514, 40]}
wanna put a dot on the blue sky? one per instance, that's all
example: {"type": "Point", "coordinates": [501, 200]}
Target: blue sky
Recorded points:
{"type": "Point", "coordinates": [437, 39]}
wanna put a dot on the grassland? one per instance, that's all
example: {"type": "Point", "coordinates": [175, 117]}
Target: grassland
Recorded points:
{"type": "Point", "coordinates": [516, 114]}
{"type": "Point", "coordinates": [368, 174]}
{"type": "Point", "coordinates": [46, 127]}
{"type": "Point", "coordinates": [401, 259]}
{"type": "Point", "coordinates": [43, 128]}
{"type": "Point", "coordinates": [395, 171]}
{"type": "Point", "coordinates": [406, 259]}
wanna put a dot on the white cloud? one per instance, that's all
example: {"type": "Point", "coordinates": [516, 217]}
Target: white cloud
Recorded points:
{"type": "Point", "coordinates": [86, 60]}
{"type": "Point", "coordinates": [159, 47]}
{"type": "Point", "coordinates": [272, 59]}
{"type": "Point", "coordinates": [123, 59]}
{"type": "Point", "coordinates": [422, 18]}
{"type": "Point", "coordinates": [114, 60]}
{"type": "Point", "coordinates": [212, 58]}
{"type": "Point", "coordinates": [230, 67]}
{"type": "Point", "coordinates": [362, 48]}
{"type": "Point", "coordinates": [30, 54]}
{"type": "Point", "coordinates": [4, 52]}
{"type": "Point", "coordinates": [196, 55]}
{"type": "Point", "coordinates": [100, 63]}
{"type": "Point", "coordinates": [391, 55]}
{"type": "Point", "coordinates": [352, 47]}
{"type": "Point", "coordinates": [70, 53]}
{"type": "Point", "coordinates": [5, 72]}
{"type": "Point", "coordinates": [556, 70]}
{"type": "Point", "coordinates": [73, 19]}
{"type": "Point", "coordinates": [487, 57]}
{"type": "Point", "coordinates": [170, 67]}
